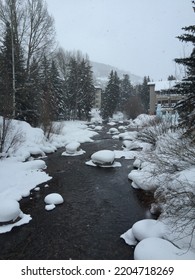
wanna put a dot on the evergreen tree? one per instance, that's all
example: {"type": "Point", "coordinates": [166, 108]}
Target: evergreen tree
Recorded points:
{"type": "Point", "coordinates": [33, 90]}
{"type": "Point", "coordinates": [126, 90]}
{"type": "Point", "coordinates": [12, 76]}
{"type": "Point", "coordinates": [186, 107]}
{"type": "Point", "coordinates": [46, 115]}
{"type": "Point", "coordinates": [144, 94]}
{"type": "Point", "coordinates": [111, 95]}
{"type": "Point", "coordinates": [56, 98]}
{"type": "Point", "coordinates": [80, 88]}
{"type": "Point", "coordinates": [87, 89]}
{"type": "Point", "coordinates": [6, 79]}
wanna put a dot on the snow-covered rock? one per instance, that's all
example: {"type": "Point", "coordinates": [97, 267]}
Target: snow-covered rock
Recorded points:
{"type": "Point", "coordinates": [148, 228]}
{"type": "Point", "coordinates": [129, 145]}
{"type": "Point", "coordinates": [72, 147]}
{"type": "Point", "coordinates": [111, 123]}
{"type": "Point", "coordinates": [54, 198]}
{"type": "Point", "coordinates": [113, 130]}
{"type": "Point", "coordinates": [98, 127]}
{"type": "Point", "coordinates": [115, 164]}
{"type": "Point", "coordinates": [9, 210]}
{"type": "Point", "coordinates": [50, 207]}
{"type": "Point", "coordinates": [128, 135]}
{"type": "Point", "coordinates": [103, 157]}
{"type": "Point", "coordinates": [155, 248]}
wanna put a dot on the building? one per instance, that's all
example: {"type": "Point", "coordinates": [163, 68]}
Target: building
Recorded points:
{"type": "Point", "coordinates": [161, 93]}
{"type": "Point", "coordinates": [97, 97]}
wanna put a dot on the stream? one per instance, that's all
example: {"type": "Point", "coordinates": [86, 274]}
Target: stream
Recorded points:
{"type": "Point", "coordinates": [99, 205]}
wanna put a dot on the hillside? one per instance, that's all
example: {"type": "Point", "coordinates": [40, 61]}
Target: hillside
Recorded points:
{"type": "Point", "coordinates": [101, 72]}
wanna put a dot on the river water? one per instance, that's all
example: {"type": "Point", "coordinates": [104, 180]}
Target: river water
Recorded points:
{"type": "Point", "coordinates": [99, 205]}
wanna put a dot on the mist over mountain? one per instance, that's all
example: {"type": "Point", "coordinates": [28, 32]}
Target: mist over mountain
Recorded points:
{"type": "Point", "coordinates": [101, 72]}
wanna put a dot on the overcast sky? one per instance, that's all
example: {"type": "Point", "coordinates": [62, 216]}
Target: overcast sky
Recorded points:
{"type": "Point", "coordinates": [134, 35]}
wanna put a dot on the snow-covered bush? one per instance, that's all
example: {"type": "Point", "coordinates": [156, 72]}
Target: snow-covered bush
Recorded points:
{"type": "Point", "coordinates": [95, 116]}
{"type": "Point", "coordinates": [141, 121]}
{"type": "Point", "coordinates": [156, 128]}
{"type": "Point", "coordinates": [11, 136]}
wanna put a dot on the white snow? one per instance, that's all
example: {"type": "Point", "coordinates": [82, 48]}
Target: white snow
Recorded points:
{"type": "Point", "coordinates": [114, 164]}
{"type": "Point", "coordinates": [113, 130]}
{"type": "Point", "coordinates": [9, 210]}
{"type": "Point", "coordinates": [19, 176]}
{"type": "Point", "coordinates": [155, 248]}
{"type": "Point", "coordinates": [54, 198]}
{"type": "Point", "coordinates": [73, 149]}
{"type": "Point", "coordinates": [148, 228]}
{"type": "Point", "coordinates": [24, 219]}
{"type": "Point", "coordinates": [103, 157]}
{"type": "Point", "coordinates": [167, 169]}
{"type": "Point", "coordinates": [50, 207]}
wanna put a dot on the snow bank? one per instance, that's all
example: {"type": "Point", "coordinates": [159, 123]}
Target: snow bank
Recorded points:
{"type": "Point", "coordinates": [152, 245]}
{"type": "Point", "coordinates": [168, 170]}
{"type": "Point", "coordinates": [24, 219]}
{"type": "Point", "coordinates": [18, 178]}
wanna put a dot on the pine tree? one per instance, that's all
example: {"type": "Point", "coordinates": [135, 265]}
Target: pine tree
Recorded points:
{"type": "Point", "coordinates": [80, 88]}
{"type": "Point", "coordinates": [186, 107]}
{"type": "Point", "coordinates": [111, 95]}
{"type": "Point", "coordinates": [6, 90]}
{"type": "Point", "coordinates": [145, 94]}
{"type": "Point", "coordinates": [12, 83]}
{"type": "Point", "coordinates": [126, 90]}
{"type": "Point", "coordinates": [56, 98]}
{"type": "Point", "coordinates": [33, 90]}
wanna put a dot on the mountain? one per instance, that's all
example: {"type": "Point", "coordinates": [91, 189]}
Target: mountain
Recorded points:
{"type": "Point", "coordinates": [101, 72]}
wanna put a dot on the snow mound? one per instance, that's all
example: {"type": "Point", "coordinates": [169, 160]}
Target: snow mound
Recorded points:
{"type": "Point", "coordinates": [103, 157]}
{"type": "Point", "coordinates": [155, 248]}
{"type": "Point", "coordinates": [148, 228]}
{"type": "Point", "coordinates": [54, 198]}
{"type": "Point", "coordinates": [98, 127]}
{"type": "Point", "coordinates": [9, 210]}
{"type": "Point", "coordinates": [72, 148]}
{"type": "Point", "coordinates": [50, 207]}
{"type": "Point", "coordinates": [113, 130]}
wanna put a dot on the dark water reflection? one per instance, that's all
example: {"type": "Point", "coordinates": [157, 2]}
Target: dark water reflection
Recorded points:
{"type": "Point", "coordinates": [99, 205]}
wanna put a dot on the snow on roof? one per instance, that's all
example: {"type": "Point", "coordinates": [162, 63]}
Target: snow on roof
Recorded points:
{"type": "Point", "coordinates": [164, 85]}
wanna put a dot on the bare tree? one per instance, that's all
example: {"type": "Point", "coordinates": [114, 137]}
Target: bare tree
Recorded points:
{"type": "Point", "coordinates": [39, 32]}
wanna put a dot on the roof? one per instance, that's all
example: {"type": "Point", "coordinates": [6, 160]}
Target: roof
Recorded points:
{"type": "Point", "coordinates": [164, 85]}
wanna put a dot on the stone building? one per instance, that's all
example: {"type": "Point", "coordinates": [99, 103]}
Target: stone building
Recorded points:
{"type": "Point", "coordinates": [161, 93]}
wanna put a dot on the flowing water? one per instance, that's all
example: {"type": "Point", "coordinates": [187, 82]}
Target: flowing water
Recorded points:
{"type": "Point", "coordinates": [99, 205]}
